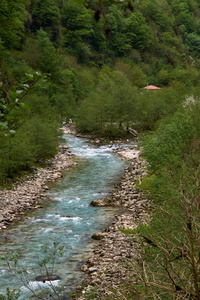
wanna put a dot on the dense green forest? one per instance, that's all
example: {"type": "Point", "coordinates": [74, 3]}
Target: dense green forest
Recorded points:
{"type": "Point", "coordinates": [94, 59]}
{"type": "Point", "coordinates": [88, 62]}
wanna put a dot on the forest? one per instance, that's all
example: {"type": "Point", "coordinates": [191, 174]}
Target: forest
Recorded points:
{"type": "Point", "coordinates": [62, 60]}
{"type": "Point", "coordinates": [89, 62]}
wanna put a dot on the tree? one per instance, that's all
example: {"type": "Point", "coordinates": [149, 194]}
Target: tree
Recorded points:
{"type": "Point", "coordinates": [76, 21]}
{"type": "Point", "coordinates": [48, 61]}
{"type": "Point", "coordinates": [46, 16]}
{"type": "Point", "coordinates": [12, 18]}
{"type": "Point", "coordinates": [170, 142]}
{"type": "Point", "coordinates": [138, 33]}
{"type": "Point", "coordinates": [113, 103]}
{"type": "Point", "coordinates": [170, 258]}
{"type": "Point", "coordinates": [124, 105]}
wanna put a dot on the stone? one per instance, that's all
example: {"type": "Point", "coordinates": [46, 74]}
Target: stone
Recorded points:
{"type": "Point", "coordinates": [44, 278]}
{"type": "Point", "coordinates": [107, 268]}
{"type": "Point", "coordinates": [99, 235]}
{"type": "Point", "coordinates": [24, 195]}
{"type": "Point", "coordinates": [92, 269]}
{"type": "Point", "coordinates": [84, 268]}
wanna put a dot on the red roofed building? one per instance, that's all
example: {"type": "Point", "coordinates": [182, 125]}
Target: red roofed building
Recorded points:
{"type": "Point", "coordinates": [151, 87]}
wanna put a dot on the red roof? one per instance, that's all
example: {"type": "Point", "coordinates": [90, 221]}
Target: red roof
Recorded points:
{"type": "Point", "coordinates": [151, 87]}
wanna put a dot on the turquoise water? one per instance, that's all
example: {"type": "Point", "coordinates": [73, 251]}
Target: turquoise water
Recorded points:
{"type": "Point", "coordinates": [67, 218]}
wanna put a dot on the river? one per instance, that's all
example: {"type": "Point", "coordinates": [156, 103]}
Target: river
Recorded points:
{"type": "Point", "coordinates": [67, 218]}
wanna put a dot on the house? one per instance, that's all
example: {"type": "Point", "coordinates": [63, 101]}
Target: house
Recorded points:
{"type": "Point", "coordinates": [151, 87]}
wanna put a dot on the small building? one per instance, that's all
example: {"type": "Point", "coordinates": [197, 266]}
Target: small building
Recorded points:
{"type": "Point", "coordinates": [151, 87]}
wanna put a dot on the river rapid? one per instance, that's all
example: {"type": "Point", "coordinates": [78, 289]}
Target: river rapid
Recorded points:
{"type": "Point", "coordinates": [67, 218]}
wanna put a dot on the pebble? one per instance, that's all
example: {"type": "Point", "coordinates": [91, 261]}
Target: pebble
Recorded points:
{"type": "Point", "coordinates": [28, 192]}
{"type": "Point", "coordinates": [106, 268]}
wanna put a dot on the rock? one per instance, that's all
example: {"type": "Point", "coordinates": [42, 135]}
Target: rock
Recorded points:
{"type": "Point", "coordinates": [47, 278]}
{"type": "Point", "coordinates": [24, 195]}
{"type": "Point", "coordinates": [92, 269]}
{"type": "Point", "coordinates": [84, 268]}
{"type": "Point", "coordinates": [57, 175]}
{"type": "Point", "coordinates": [98, 202]}
{"type": "Point", "coordinates": [45, 187]}
{"type": "Point", "coordinates": [106, 269]}
{"type": "Point", "coordinates": [91, 261]}
{"type": "Point", "coordinates": [99, 235]}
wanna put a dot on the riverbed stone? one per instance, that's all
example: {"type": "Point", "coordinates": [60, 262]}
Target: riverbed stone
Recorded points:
{"type": "Point", "coordinates": [84, 268]}
{"type": "Point", "coordinates": [29, 191]}
{"type": "Point", "coordinates": [115, 250]}
{"type": "Point", "coordinates": [99, 235]}
{"type": "Point", "coordinates": [44, 278]}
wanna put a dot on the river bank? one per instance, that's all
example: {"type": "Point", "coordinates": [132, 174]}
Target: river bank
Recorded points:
{"type": "Point", "coordinates": [28, 193]}
{"type": "Point", "coordinates": [105, 270]}
{"type": "Point", "coordinates": [108, 268]}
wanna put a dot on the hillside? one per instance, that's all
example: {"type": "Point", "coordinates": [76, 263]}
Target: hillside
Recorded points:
{"type": "Point", "coordinates": [81, 48]}
{"type": "Point", "coordinates": [89, 61]}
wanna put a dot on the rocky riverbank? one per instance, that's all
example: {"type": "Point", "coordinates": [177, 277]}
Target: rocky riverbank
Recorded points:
{"type": "Point", "coordinates": [107, 269]}
{"type": "Point", "coordinates": [26, 195]}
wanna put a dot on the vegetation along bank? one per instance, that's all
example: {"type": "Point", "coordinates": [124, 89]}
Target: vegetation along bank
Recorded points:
{"type": "Point", "coordinates": [62, 60]}
{"type": "Point", "coordinates": [28, 192]}
{"type": "Point", "coordinates": [108, 271]}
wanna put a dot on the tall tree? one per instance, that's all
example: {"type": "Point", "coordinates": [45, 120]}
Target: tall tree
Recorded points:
{"type": "Point", "coordinates": [12, 17]}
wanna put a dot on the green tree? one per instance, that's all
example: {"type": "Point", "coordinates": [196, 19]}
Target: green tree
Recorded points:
{"type": "Point", "coordinates": [12, 17]}
{"type": "Point", "coordinates": [170, 265]}
{"type": "Point", "coordinates": [76, 21]}
{"type": "Point", "coordinates": [46, 15]}
{"type": "Point", "coordinates": [42, 135]}
{"type": "Point", "coordinates": [170, 142]}
{"type": "Point", "coordinates": [193, 41]}
{"type": "Point", "coordinates": [114, 102]}
{"type": "Point", "coordinates": [48, 61]}
{"type": "Point", "coordinates": [124, 105]}
{"type": "Point", "coordinates": [138, 33]}
{"type": "Point", "coordinates": [93, 113]}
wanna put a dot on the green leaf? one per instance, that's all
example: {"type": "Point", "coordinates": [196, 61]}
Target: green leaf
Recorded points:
{"type": "Point", "coordinates": [19, 92]}
{"type": "Point", "coordinates": [4, 124]}
{"type": "Point", "coordinates": [81, 2]}
{"type": "Point", "coordinates": [26, 86]}
{"type": "Point", "coordinates": [30, 76]}
{"type": "Point", "coordinates": [13, 95]}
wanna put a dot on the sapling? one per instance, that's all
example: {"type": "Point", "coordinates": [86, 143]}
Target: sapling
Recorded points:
{"type": "Point", "coordinates": [46, 264]}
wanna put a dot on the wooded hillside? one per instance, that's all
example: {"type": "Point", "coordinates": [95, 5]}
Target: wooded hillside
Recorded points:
{"type": "Point", "coordinates": [94, 58]}
{"type": "Point", "coordinates": [88, 61]}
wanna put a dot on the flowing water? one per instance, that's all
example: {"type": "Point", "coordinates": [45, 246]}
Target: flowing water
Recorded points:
{"type": "Point", "coordinates": [67, 218]}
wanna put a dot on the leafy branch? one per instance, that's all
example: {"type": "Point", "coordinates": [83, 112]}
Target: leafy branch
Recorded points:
{"type": "Point", "coordinates": [12, 106]}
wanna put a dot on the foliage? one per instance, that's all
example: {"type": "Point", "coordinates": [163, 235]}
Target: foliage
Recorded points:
{"type": "Point", "coordinates": [46, 16]}
{"type": "Point", "coordinates": [171, 240]}
{"type": "Point", "coordinates": [11, 105]}
{"type": "Point", "coordinates": [25, 141]}
{"type": "Point", "coordinates": [12, 18]}
{"type": "Point", "coordinates": [10, 295]}
{"type": "Point", "coordinates": [48, 62]}
{"type": "Point", "coordinates": [112, 103]}
{"type": "Point", "coordinates": [170, 142]}
{"type": "Point", "coordinates": [46, 265]}
{"type": "Point", "coordinates": [99, 54]}
{"type": "Point", "coordinates": [169, 261]}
